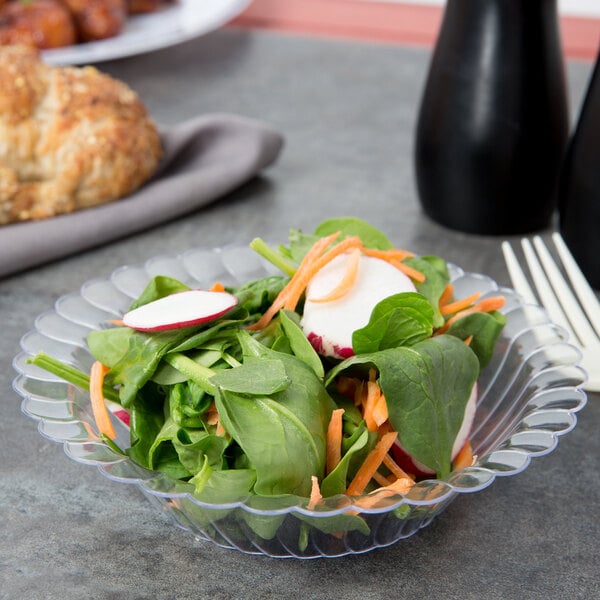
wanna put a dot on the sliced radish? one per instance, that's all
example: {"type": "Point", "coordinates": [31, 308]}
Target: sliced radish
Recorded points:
{"type": "Point", "coordinates": [182, 309]}
{"type": "Point", "coordinates": [329, 325]}
{"type": "Point", "coordinates": [412, 465]}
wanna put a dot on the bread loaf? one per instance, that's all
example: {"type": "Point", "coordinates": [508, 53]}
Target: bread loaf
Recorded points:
{"type": "Point", "coordinates": [70, 138]}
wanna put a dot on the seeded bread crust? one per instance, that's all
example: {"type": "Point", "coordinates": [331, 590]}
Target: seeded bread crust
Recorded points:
{"type": "Point", "coordinates": [70, 138]}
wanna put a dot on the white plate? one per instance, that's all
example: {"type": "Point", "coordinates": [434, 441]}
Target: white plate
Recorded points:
{"type": "Point", "coordinates": [174, 24]}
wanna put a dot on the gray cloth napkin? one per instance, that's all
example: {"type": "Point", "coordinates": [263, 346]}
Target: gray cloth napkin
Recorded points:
{"type": "Point", "coordinates": [204, 159]}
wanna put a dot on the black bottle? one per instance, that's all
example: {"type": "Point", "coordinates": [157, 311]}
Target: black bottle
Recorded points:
{"type": "Point", "coordinates": [579, 200]}
{"type": "Point", "coordinates": [493, 121]}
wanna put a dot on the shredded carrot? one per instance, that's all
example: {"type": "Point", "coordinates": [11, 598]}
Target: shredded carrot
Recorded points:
{"type": "Point", "coordinates": [308, 273]}
{"type": "Point", "coordinates": [400, 486]}
{"type": "Point", "coordinates": [381, 479]}
{"type": "Point", "coordinates": [458, 305]}
{"type": "Point", "coordinates": [371, 464]}
{"type": "Point", "coordinates": [385, 428]}
{"type": "Point", "coordinates": [213, 418]}
{"type": "Point", "coordinates": [393, 254]}
{"type": "Point", "coordinates": [468, 340]}
{"type": "Point", "coordinates": [486, 305]}
{"type": "Point", "coordinates": [220, 430]}
{"type": "Point", "coordinates": [217, 286]}
{"type": "Point", "coordinates": [380, 409]}
{"type": "Point", "coordinates": [99, 410]}
{"type": "Point", "coordinates": [334, 440]}
{"type": "Point", "coordinates": [446, 295]}
{"type": "Point", "coordinates": [375, 411]}
{"type": "Point", "coordinates": [465, 457]}
{"type": "Point", "coordinates": [118, 322]}
{"type": "Point", "coordinates": [395, 468]}
{"type": "Point", "coordinates": [315, 251]}
{"type": "Point", "coordinates": [370, 396]}
{"type": "Point", "coordinates": [315, 494]}
{"type": "Point", "coordinates": [408, 270]}
{"type": "Point", "coordinates": [348, 280]}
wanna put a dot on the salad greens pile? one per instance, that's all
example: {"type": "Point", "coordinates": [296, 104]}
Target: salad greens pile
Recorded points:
{"type": "Point", "coordinates": [274, 395]}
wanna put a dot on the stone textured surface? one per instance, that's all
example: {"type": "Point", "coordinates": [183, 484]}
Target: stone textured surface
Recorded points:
{"type": "Point", "coordinates": [347, 111]}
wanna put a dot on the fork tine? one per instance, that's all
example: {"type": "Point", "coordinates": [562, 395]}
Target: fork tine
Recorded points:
{"type": "Point", "coordinates": [587, 297]}
{"type": "Point", "coordinates": [569, 302]}
{"type": "Point", "coordinates": [517, 276]}
{"type": "Point", "coordinates": [546, 294]}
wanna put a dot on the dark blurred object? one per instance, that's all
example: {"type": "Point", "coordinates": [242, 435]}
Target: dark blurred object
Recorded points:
{"type": "Point", "coordinates": [579, 201]}
{"type": "Point", "coordinates": [97, 19]}
{"type": "Point", "coordinates": [493, 123]}
{"type": "Point", "coordinates": [43, 24]}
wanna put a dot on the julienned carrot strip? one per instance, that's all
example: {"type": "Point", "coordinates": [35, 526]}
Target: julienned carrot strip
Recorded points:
{"type": "Point", "coordinates": [375, 411]}
{"type": "Point", "coordinates": [393, 254]}
{"type": "Point", "coordinates": [118, 322]}
{"type": "Point", "coordinates": [446, 295]}
{"type": "Point", "coordinates": [486, 305]}
{"type": "Point", "coordinates": [400, 486]}
{"type": "Point", "coordinates": [371, 464]}
{"type": "Point", "coordinates": [381, 479]}
{"type": "Point", "coordinates": [465, 457]}
{"type": "Point", "coordinates": [348, 280]}
{"type": "Point", "coordinates": [458, 305]}
{"type": "Point", "coordinates": [395, 468]}
{"type": "Point", "coordinates": [333, 451]}
{"type": "Point", "coordinates": [315, 493]}
{"type": "Point", "coordinates": [468, 340]}
{"type": "Point", "coordinates": [212, 416]}
{"type": "Point", "coordinates": [315, 251]}
{"type": "Point", "coordinates": [311, 270]}
{"type": "Point", "coordinates": [99, 410]}
{"type": "Point", "coordinates": [370, 396]}
{"type": "Point", "coordinates": [217, 286]}
{"type": "Point", "coordinates": [408, 270]}
{"type": "Point", "coordinates": [380, 410]}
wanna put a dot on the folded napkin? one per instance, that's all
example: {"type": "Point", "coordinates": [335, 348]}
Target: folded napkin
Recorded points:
{"type": "Point", "coordinates": [204, 159]}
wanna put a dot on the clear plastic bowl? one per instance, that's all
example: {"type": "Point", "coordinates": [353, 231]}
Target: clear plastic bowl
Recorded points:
{"type": "Point", "coordinates": [529, 396]}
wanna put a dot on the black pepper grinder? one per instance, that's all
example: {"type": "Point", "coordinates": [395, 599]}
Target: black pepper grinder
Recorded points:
{"type": "Point", "coordinates": [579, 199]}
{"type": "Point", "coordinates": [493, 122]}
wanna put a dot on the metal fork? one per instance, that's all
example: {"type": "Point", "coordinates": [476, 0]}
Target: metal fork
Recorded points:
{"type": "Point", "coordinates": [575, 307]}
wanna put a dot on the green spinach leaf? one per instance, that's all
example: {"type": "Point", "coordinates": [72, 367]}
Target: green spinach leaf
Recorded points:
{"type": "Point", "coordinates": [427, 387]}
{"type": "Point", "coordinates": [399, 320]}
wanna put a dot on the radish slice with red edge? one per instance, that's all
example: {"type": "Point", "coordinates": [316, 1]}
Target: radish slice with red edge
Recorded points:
{"type": "Point", "coordinates": [329, 325]}
{"type": "Point", "coordinates": [412, 465]}
{"type": "Point", "coordinates": [182, 309]}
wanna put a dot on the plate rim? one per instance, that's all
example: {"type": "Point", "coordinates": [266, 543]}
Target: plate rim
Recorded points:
{"type": "Point", "coordinates": [128, 42]}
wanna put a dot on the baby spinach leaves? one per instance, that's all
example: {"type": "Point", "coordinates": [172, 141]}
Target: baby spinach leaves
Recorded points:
{"type": "Point", "coordinates": [399, 320]}
{"type": "Point", "coordinates": [427, 387]}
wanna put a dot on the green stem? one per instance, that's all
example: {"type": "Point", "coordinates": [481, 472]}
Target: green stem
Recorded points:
{"type": "Point", "coordinates": [69, 374]}
{"type": "Point", "coordinates": [192, 370]}
{"type": "Point", "coordinates": [262, 248]}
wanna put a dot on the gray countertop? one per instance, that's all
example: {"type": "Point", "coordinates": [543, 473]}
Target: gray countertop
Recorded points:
{"type": "Point", "coordinates": [347, 111]}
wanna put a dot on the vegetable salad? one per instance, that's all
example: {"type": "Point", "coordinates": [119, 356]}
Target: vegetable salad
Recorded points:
{"type": "Point", "coordinates": [247, 404]}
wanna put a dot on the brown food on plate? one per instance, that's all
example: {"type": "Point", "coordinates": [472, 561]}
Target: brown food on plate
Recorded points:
{"type": "Point", "coordinates": [43, 23]}
{"type": "Point", "coordinates": [97, 19]}
{"type": "Point", "coordinates": [138, 7]}
{"type": "Point", "coordinates": [70, 138]}
{"type": "Point", "coordinates": [48, 24]}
